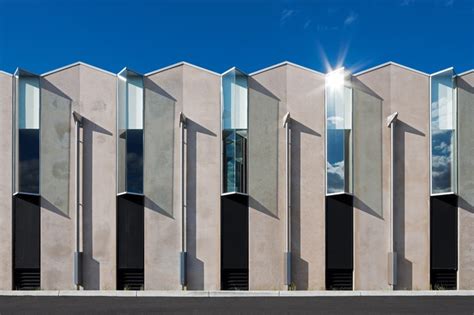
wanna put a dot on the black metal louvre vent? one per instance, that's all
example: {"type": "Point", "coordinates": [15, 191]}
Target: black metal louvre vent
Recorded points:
{"type": "Point", "coordinates": [339, 279]}
{"type": "Point", "coordinates": [27, 279]}
{"type": "Point", "coordinates": [235, 279]}
{"type": "Point", "coordinates": [131, 279]}
{"type": "Point", "coordinates": [443, 279]}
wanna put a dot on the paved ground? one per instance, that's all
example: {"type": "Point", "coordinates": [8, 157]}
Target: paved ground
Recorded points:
{"type": "Point", "coordinates": [237, 305]}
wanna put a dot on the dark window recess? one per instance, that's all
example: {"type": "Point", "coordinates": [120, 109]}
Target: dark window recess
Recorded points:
{"type": "Point", "coordinates": [339, 242]}
{"type": "Point", "coordinates": [130, 242]}
{"type": "Point", "coordinates": [443, 279]}
{"type": "Point", "coordinates": [26, 242]}
{"type": "Point", "coordinates": [444, 241]}
{"type": "Point", "coordinates": [28, 160]}
{"type": "Point", "coordinates": [339, 279]}
{"type": "Point", "coordinates": [130, 279]}
{"type": "Point", "coordinates": [234, 242]}
{"type": "Point", "coordinates": [135, 161]}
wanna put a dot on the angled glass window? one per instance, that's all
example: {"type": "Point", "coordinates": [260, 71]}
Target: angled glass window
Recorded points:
{"type": "Point", "coordinates": [27, 133]}
{"type": "Point", "coordinates": [443, 132]}
{"type": "Point", "coordinates": [234, 133]}
{"type": "Point", "coordinates": [130, 132]}
{"type": "Point", "coordinates": [338, 133]}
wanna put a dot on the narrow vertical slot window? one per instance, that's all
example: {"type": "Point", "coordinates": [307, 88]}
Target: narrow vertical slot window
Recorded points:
{"type": "Point", "coordinates": [130, 198]}
{"type": "Point", "coordinates": [130, 133]}
{"type": "Point", "coordinates": [234, 199]}
{"type": "Point", "coordinates": [338, 133]}
{"type": "Point", "coordinates": [27, 132]}
{"type": "Point", "coordinates": [234, 132]}
{"type": "Point", "coordinates": [443, 133]}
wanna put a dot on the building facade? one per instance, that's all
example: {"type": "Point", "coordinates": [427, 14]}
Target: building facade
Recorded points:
{"type": "Point", "coordinates": [285, 178]}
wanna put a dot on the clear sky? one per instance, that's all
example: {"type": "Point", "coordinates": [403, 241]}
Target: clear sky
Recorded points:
{"type": "Point", "coordinates": [428, 35]}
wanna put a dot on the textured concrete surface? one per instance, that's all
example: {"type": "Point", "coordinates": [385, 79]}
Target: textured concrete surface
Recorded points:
{"type": "Point", "coordinates": [305, 102]}
{"type": "Point", "coordinates": [98, 106]}
{"type": "Point", "coordinates": [372, 92]}
{"type": "Point", "coordinates": [201, 105]}
{"type": "Point", "coordinates": [6, 181]}
{"type": "Point", "coordinates": [162, 227]}
{"type": "Point", "coordinates": [466, 181]}
{"type": "Point", "coordinates": [410, 98]}
{"type": "Point", "coordinates": [59, 91]}
{"type": "Point", "coordinates": [266, 179]}
{"type": "Point", "coordinates": [196, 93]}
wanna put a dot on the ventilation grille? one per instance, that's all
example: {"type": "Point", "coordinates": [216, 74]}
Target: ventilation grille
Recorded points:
{"type": "Point", "coordinates": [235, 279]}
{"type": "Point", "coordinates": [27, 279]}
{"type": "Point", "coordinates": [131, 279]}
{"type": "Point", "coordinates": [443, 279]}
{"type": "Point", "coordinates": [339, 279]}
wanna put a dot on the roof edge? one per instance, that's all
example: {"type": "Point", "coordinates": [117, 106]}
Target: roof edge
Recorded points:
{"type": "Point", "coordinates": [234, 69]}
{"type": "Point", "coordinates": [465, 72]}
{"type": "Point", "coordinates": [283, 64]}
{"type": "Point", "coordinates": [6, 73]}
{"type": "Point", "coordinates": [388, 64]}
{"type": "Point", "coordinates": [77, 63]}
{"type": "Point", "coordinates": [181, 63]}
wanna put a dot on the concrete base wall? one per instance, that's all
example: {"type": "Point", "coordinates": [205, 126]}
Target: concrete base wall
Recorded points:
{"type": "Point", "coordinates": [98, 106]}
{"type": "Point", "coordinates": [6, 88]}
{"type": "Point", "coordinates": [58, 218]}
{"type": "Point", "coordinates": [466, 181]}
{"type": "Point", "coordinates": [305, 102]}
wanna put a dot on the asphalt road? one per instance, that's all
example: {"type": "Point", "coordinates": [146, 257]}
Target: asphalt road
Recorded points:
{"type": "Point", "coordinates": [238, 305]}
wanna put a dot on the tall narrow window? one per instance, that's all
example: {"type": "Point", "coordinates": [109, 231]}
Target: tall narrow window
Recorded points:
{"type": "Point", "coordinates": [443, 133]}
{"type": "Point", "coordinates": [234, 133]}
{"type": "Point", "coordinates": [443, 201]}
{"type": "Point", "coordinates": [27, 132]}
{"type": "Point", "coordinates": [130, 132]}
{"type": "Point", "coordinates": [130, 199]}
{"type": "Point", "coordinates": [234, 199]}
{"type": "Point", "coordinates": [339, 200]}
{"type": "Point", "coordinates": [26, 200]}
{"type": "Point", "coordinates": [338, 133]}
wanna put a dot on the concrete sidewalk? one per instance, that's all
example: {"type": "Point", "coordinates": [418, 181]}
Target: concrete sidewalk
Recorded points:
{"type": "Point", "coordinates": [200, 294]}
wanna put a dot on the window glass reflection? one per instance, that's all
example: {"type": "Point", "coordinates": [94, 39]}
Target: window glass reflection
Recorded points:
{"type": "Point", "coordinates": [338, 133]}
{"type": "Point", "coordinates": [443, 133]}
{"type": "Point", "coordinates": [234, 134]}
{"type": "Point", "coordinates": [130, 133]}
{"type": "Point", "coordinates": [28, 133]}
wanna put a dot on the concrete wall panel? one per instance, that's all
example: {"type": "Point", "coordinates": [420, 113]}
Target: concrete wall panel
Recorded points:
{"type": "Point", "coordinates": [305, 102]}
{"type": "Point", "coordinates": [6, 182]}
{"type": "Point", "coordinates": [371, 179]}
{"type": "Point", "coordinates": [267, 106]}
{"type": "Point", "coordinates": [59, 91]}
{"type": "Point", "coordinates": [163, 226]}
{"type": "Point", "coordinates": [410, 98]}
{"type": "Point", "coordinates": [466, 181]}
{"type": "Point", "coordinates": [98, 106]}
{"type": "Point", "coordinates": [201, 102]}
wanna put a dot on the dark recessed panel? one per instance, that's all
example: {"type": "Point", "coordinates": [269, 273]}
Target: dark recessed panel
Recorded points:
{"type": "Point", "coordinates": [234, 242]}
{"type": "Point", "coordinates": [26, 232]}
{"type": "Point", "coordinates": [28, 160]}
{"type": "Point", "coordinates": [130, 232]}
{"type": "Point", "coordinates": [444, 232]}
{"type": "Point", "coordinates": [339, 232]}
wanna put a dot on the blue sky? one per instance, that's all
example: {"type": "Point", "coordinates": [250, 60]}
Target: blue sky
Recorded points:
{"type": "Point", "coordinates": [428, 35]}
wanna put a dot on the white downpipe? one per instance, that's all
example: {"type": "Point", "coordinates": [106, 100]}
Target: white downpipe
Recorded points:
{"type": "Point", "coordinates": [183, 254]}
{"type": "Point", "coordinates": [392, 256]}
{"type": "Point", "coordinates": [78, 252]}
{"type": "Point", "coordinates": [286, 125]}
